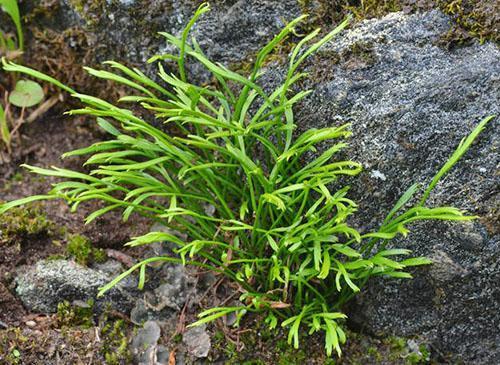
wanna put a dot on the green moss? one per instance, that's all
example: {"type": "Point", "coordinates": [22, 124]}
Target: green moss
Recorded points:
{"type": "Point", "coordinates": [115, 342]}
{"type": "Point", "coordinates": [177, 338]}
{"type": "Point", "coordinates": [420, 357]}
{"type": "Point", "coordinates": [71, 316]}
{"type": "Point", "coordinates": [90, 11]}
{"type": "Point", "coordinates": [396, 343]}
{"type": "Point", "coordinates": [17, 177]}
{"type": "Point", "coordinates": [55, 257]}
{"type": "Point", "coordinates": [24, 221]}
{"type": "Point", "coordinates": [82, 250]}
{"type": "Point", "coordinates": [473, 19]}
{"type": "Point", "coordinates": [99, 255]}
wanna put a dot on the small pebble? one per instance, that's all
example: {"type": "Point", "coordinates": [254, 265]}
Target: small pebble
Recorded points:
{"type": "Point", "coordinates": [30, 323]}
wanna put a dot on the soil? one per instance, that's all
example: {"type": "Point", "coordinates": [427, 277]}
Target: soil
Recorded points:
{"type": "Point", "coordinates": [42, 144]}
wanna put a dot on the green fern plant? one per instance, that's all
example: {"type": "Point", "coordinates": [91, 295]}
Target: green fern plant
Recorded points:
{"type": "Point", "coordinates": [279, 226]}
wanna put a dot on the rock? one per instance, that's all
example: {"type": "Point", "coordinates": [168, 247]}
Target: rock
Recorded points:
{"type": "Point", "coordinates": [113, 268]}
{"type": "Point", "coordinates": [174, 286]}
{"type": "Point", "coordinates": [42, 286]}
{"type": "Point", "coordinates": [144, 343]}
{"type": "Point", "coordinates": [410, 103]}
{"type": "Point", "coordinates": [197, 341]}
{"type": "Point", "coordinates": [177, 286]}
{"type": "Point", "coordinates": [162, 355]}
{"type": "Point", "coordinates": [444, 269]}
{"type": "Point", "coordinates": [144, 311]}
{"type": "Point", "coordinates": [128, 31]}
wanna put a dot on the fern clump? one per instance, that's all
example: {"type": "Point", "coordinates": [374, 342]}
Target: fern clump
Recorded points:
{"type": "Point", "coordinates": [229, 175]}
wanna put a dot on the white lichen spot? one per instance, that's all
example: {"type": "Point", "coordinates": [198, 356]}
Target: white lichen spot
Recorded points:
{"type": "Point", "coordinates": [376, 174]}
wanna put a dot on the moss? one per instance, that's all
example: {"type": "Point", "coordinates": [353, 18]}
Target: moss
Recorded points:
{"type": "Point", "coordinates": [113, 333]}
{"type": "Point", "coordinates": [82, 250]}
{"type": "Point", "coordinates": [23, 222]}
{"type": "Point", "coordinates": [99, 255]}
{"type": "Point", "coordinates": [420, 357]}
{"type": "Point", "coordinates": [12, 341]}
{"type": "Point", "coordinates": [473, 19]}
{"type": "Point", "coordinates": [71, 315]}
{"type": "Point", "coordinates": [90, 11]}
{"type": "Point", "coordinates": [114, 339]}
{"type": "Point", "coordinates": [55, 257]}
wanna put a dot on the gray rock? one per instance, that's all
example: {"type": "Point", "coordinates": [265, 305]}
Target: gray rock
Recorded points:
{"type": "Point", "coordinates": [162, 355]}
{"type": "Point", "coordinates": [410, 103]}
{"type": "Point", "coordinates": [127, 30]}
{"type": "Point", "coordinates": [174, 286]}
{"type": "Point", "coordinates": [144, 311]}
{"type": "Point", "coordinates": [144, 343]}
{"type": "Point", "coordinates": [112, 268]}
{"type": "Point", "coordinates": [197, 341]}
{"type": "Point", "coordinates": [177, 286]}
{"type": "Point", "coordinates": [42, 286]}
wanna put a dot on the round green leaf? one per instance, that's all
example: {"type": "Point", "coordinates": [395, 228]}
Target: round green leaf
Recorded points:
{"type": "Point", "coordinates": [27, 93]}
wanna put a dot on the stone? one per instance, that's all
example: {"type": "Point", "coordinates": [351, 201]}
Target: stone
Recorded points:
{"type": "Point", "coordinates": [197, 341]}
{"type": "Point", "coordinates": [410, 102]}
{"type": "Point", "coordinates": [176, 286]}
{"type": "Point", "coordinates": [144, 311]}
{"type": "Point", "coordinates": [43, 285]}
{"type": "Point", "coordinates": [144, 343]}
{"type": "Point", "coordinates": [162, 355]}
{"type": "Point", "coordinates": [233, 31]}
{"type": "Point", "coordinates": [173, 285]}
{"type": "Point", "coordinates": [113, 268]}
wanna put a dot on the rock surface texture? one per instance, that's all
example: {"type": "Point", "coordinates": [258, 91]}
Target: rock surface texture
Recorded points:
{"type": "Point", "coordinates": [410, 103]}
{"type": "Point", "coordinates": [42, 286]}
{"type": "Point", "coordinates": [128, 30]}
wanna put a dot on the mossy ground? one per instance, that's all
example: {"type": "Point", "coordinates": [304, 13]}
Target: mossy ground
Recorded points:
{"type": "Point", "coordinates": [19, 223]}
{"type": "Point", "coordinates": [82, 250]}
{"type": "Point", "coordinates": [72, 336]}
{"type": "Point", "coordinates": [257, 345]}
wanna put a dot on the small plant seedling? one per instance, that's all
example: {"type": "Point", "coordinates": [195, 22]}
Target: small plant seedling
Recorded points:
{"type": "Point", "coordinates": [26, 94]}
{"type": "Point", "coordinates": [229, 174]}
